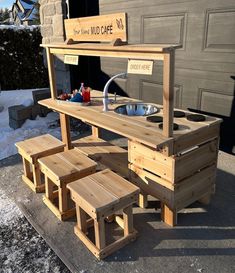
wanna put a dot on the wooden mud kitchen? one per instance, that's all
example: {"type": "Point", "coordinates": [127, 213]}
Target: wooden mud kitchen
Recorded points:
{"type": "Point", "coordinates": [174, 161]}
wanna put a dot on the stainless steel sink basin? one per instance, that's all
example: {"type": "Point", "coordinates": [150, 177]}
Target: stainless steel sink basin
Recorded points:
{"type": "Point", "coordinates": [136, 109]}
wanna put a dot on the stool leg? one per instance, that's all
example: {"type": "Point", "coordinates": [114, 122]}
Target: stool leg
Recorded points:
{"type": "Point", "coordinates": [99, 233]}
{"type": "Point", "coordinates": [49, 188]}
{"type": "Point", "coordinates": [27, 171]}
{"type": "Point", "coordinates": [36, 175]}
{"type": "Point", "coordinates": [128, 220]}
{"type": "Point", "coordinates": [63, 198]}
{"type": "Point", "coordinates": [81, 219]}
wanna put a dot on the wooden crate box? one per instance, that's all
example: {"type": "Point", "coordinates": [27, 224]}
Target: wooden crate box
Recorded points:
{"type": "Point", "coordinates": [177, 180]}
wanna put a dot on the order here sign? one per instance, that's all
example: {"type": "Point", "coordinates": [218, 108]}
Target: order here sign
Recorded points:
{"type": "Point", "coordinates": [144, 67]}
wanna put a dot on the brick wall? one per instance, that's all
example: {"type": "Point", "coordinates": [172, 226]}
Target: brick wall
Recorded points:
{"type": "Point", "coordinates": [52, 15]}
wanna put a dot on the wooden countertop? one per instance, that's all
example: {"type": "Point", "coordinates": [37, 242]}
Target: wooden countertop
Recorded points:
{"type": "Point", "coordinates": [154, 48]}
{"type": "Point", "coordinates": [132, 127]}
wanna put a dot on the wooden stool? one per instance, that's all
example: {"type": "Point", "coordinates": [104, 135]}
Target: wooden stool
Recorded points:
{"type": "Point", "coordinates": [100, 195]}
{"type": "Point", "coordinates": [61, 169]}
{"type": "Point", "coordinates": [31, 150]}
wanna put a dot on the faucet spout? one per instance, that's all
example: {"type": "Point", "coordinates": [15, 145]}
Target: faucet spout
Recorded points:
{"type": "Point", "coordinates": [106, 87]}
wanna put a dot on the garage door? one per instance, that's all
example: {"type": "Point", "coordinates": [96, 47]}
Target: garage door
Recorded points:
{"type": "Point", "coordinates": [203, 66]}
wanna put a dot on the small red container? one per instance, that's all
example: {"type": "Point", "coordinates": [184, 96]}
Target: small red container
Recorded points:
{"type": "Point", "coordinates": [86, 94]}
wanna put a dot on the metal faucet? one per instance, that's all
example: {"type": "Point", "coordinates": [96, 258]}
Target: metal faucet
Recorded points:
{"type": "Point", "coordinates": [105, 91]}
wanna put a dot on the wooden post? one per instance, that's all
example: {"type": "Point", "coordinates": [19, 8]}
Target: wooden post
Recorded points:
{"type": "Point", "coordinates": [128, 220]}
{"type": "Point", "coordinates": [65, 131]}
{"type": "Point", "coordinates": [49, 185]}
{"type": "Point", "coordinates": [168, 93]}
{"type": "Point", "coordinates": [168, 215]}
{"type": "Point", "coordinates": [81, 219]}
{"type": "Point", "coordinates": [51, 72]}
{"type": "Point", "coordinates": [36, 174]}
{"type": "Point", "coordinates": [95, 131]}
{"type": "Point", "coordinates": [27, 171]}
{"type": "Point", "coordinates": [143, 200]}
{"type": "Point", "coordinates": [99, 233]}
{"type": "Point", "coordinates": [63, 198]}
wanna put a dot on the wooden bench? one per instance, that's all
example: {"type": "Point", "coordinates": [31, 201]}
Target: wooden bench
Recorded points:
{"type": "Point", "coordinates": [61, 169]}
{"type": "Point", "coordinates": [99, 196]}
{"type": "Point", "coordinates": [31, 150]}
{"type": "Point", "coordinates": [111, 156]}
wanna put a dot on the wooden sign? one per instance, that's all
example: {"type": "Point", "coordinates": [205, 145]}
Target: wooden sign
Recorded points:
{"type": "Point", "coordinates": [71, 59]}
{"type": "Point", "coordinates": [140, 67]}
{"type": "Point", "coordinates": [97, 28]}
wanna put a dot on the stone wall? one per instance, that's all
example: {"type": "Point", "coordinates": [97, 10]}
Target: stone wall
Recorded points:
{"type": "Point", "coordinates": [52, 15]}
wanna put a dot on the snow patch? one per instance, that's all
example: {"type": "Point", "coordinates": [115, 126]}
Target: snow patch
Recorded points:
{"type": "Point", "coordinates": [31, 128]}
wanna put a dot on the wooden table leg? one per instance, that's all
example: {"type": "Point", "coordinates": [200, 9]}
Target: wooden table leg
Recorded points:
{"type": "Point", "coordinates": [95, 131]}
{"type": "Point", "coordinates": [65, 131]}
{"type": "Point", "coordinates": [168, 215]}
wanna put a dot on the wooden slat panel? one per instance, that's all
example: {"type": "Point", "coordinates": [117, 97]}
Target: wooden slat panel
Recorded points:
{"type": "Point", "coordinates": [112, 156]}
{"type": "Point", "coordinates": [197, 137]}
{"type": "Point", "coordinates": [195, 187]}
{"type": "Point", "coordinates": [37, 146]}
{"type": "Point", "coordinates": [188, 164]}
{"type": "Point", "coordinates": [176, 196]}
{"type": "Point", "coordinates": [67, 166]}
{"type": "Point", "coordinates": [91, 193]}
{"type": "Point", "coordinates": [152, 184]}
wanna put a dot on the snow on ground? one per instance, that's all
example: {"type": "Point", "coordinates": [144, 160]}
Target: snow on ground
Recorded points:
{"type": "Point", "coordinates": [22, 249]}
{"type": "Point", "coordinates": [31, 128]}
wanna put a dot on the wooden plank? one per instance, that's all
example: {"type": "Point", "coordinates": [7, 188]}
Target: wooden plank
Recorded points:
{"type": "Point", "coordinates": [92, 194]}
{"type": "Point", "coordinates": [81, 219]}
{"type": "Point", "coordinates": [115, 184]}
{"type": "Point", "coordinates": [191, 162]}
{"type": "Point", "coordinates": [128, 220]}
{"type": "Point", "coordinates": [99, 227]}
{"type": "Point", "coordinates": [49, 188]}
{"type": "Point", "coordinates": [197, 137]}
{"type": "Point", "coordinates": [152, 184]}
{"type": "Point", "coordinates": [63, 198]}
{"type": "Point", "coordinates": [105, 53]}
{"type": "Point", "coordinates": [39, 146]}
{"type": "Point", "coordinates": [111, 156]}
{"type": "Point", "coordinates": [142, 48]}
{"type": "Point", "coordinates": [87, 242]}
{"type": "Point", "coordinates": [60, 215]}
{"type": "Point", "coordinates": [26, 166]}
{"type": "Point", "coordinates": [67, 166]}
{"type": "Point", "coordinates": [123, 126]}
{"type": "Point", "coordinates": [106, 28]}
{"type": "Point", "coordinates": [95, 131]}
{"type": "Point", "coordinates": [168, 94]}
{"type": "Point", "coordinates": [36, 175]}
{"type": "Point", "coordinates": [119, 220]}
{"type": "Point", "coordinates": [117, 244]}
{"type": "Point", "coordinates": [149, 159]}
{"type": "Point", "coordinates": [51, 72]}
{"type": "Point", "coordinates": [168, 215]}
{"type": "Point", "coordinates": [65, 131]}
{"type": "Point", "coordinates": [143, 200]}
{"type": "Point", "coordinates": [195, 187]}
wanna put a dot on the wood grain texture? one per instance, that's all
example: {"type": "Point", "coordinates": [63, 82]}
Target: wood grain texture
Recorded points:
{"type": "Point", "coordinates": [104, 28]}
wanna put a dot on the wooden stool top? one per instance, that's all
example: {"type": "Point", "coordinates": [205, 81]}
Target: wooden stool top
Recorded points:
{"type": "Point", "coordinates": [66, 166]}
{"type": "Point", "coordinates": [39, 146]}
{"type": "Point", "coordinates": [102, 190]}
